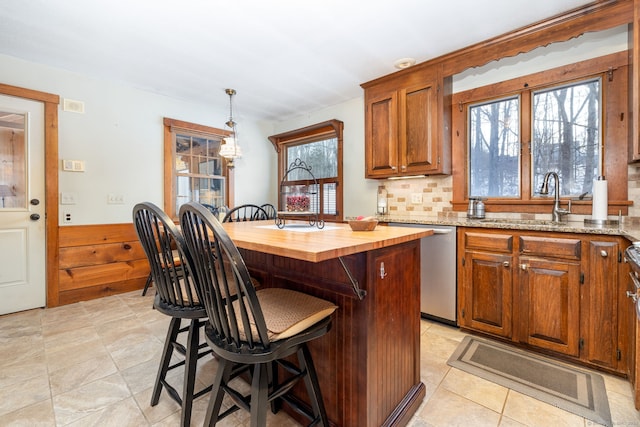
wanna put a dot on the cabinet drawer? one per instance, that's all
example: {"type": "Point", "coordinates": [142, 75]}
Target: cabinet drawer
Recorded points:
{"type": "Point", "coordinates": [487, 241]}
{"type": "Point", "coordinates": [550, 247]}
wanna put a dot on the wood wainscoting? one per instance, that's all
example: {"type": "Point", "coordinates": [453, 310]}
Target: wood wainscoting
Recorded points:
{"type": "Point", "coordinates": [99, 260]}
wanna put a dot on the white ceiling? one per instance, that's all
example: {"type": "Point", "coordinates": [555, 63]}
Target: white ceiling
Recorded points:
{"type": "Point", "coordinates": [284, 57]}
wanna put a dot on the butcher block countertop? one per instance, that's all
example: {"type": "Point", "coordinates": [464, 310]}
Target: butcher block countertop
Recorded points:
{"type": "Point", "coordinates": [301, 241]}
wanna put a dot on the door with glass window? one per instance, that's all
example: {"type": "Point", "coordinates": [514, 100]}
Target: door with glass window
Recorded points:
{"type": "Point", "coordinates": [22, 212]}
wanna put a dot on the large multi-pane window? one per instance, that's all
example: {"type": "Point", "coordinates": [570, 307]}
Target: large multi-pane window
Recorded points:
{"type": "Point", "coordinates": [565, 126]}
{"type": "Point", "coordinates": [571, 120]}
{"type": "Point", "coordinates": [319, 149]}
{"type": "Point", "coordinates": [194, 170]}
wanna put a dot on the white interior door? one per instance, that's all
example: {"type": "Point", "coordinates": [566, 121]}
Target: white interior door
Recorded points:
{"type": "Point", "coordinates": [22, 215]}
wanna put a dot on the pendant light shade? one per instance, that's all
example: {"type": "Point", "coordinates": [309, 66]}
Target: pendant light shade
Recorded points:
{"type": "Point", "coordinates": [229, 149]}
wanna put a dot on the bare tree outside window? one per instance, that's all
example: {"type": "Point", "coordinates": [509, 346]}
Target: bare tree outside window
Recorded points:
{"type": "Point", "coordinates": [566, 136]}
{"type": "Point", "coordinates": [494, 149]}
{"type": "Point", "coordinates": [566, 139]}
{"type": "Point", "coordinates": [322, 157]}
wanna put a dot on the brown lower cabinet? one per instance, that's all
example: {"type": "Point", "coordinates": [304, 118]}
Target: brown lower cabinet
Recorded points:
{"type": "Point", "coordinates": [561, 294]}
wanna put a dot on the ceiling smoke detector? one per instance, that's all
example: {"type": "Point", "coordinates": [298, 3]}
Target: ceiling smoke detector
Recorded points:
{"type": "Point", "coordinates": [403, 63]}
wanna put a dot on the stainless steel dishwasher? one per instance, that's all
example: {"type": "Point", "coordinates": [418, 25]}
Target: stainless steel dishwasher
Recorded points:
{"type": "Point", "coordinates": [438, 284]}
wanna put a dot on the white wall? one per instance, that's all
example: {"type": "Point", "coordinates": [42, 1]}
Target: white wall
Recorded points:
{"type": "Point", "coordinates": [120, 137]}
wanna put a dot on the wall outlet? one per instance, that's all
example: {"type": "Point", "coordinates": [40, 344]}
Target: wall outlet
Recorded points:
{"type": "Point", "coordinates": [416, 198]}
{"type": "Point", "coordinates": [115, 199]}
{"type": "Point", "coordinates": [66, 217]}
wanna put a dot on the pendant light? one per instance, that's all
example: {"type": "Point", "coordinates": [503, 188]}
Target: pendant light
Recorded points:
{"type": "Point", "coordinates": [230, 149]}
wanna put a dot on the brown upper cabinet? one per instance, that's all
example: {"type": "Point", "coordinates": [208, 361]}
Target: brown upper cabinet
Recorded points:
{"type": "Point", "coordinates": [407, 125]}
{"type": "Point", "coordinates": [407, 113]}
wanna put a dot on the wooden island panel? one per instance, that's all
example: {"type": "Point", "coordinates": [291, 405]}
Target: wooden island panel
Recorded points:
{"type": "Point", "coordinates": [369, 362]}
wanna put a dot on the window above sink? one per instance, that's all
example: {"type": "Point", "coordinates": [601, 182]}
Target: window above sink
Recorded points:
{"type": "Point", "coordinates": [572, 120]}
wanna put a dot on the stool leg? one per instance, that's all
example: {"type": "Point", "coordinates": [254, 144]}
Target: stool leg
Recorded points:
{"type": "Point", "coordinates": [172, 334]}
{"type": "Point", "coordinates": [191, 361]}
{"type": "Point", "coordinates": [260, 395]}
{"type": "Point", "coordinates": [276, 404]}
{"type": "Point", "coordinates": [313, 386]}
{"type": "Point", "coordinates": [217, 392]}
{"type": "Point", "coordinates": [147, 284]}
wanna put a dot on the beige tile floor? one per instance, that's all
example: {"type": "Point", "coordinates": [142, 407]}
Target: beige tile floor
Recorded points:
{"type": "Point", "coordinates": [94, 363]}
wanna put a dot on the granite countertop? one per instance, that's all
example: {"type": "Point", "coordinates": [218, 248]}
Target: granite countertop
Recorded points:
{"type": "Point", "coordinates": [627, 228]}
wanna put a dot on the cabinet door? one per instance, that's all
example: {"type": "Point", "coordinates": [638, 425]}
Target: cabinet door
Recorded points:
{"type": "Point", "coordinates": [381, 147]}
{"type": "Point", "coordinates": [487, 285]}
{"type": "Point", "coordinates": [418, 139]}
{"type": "Point", "coordinates": [550, 304]}
{"type": "Point", "coordinates": [601, 329]}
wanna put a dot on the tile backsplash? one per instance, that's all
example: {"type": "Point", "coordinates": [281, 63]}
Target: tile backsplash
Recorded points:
{"type": "Point", "coordinates": [436, 194]}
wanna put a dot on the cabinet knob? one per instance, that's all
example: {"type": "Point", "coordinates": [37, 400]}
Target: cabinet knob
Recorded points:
{"type": "Point", "coordinates": [393, 168]}
{"type": "Point", "coordinates": [524, 266]}
{"type": "Point", "coordinates": [505, 264]}
{"type": "Point", "coordinates": [604, 253]}
{"type": "Point", "coordinates": [403, 167]}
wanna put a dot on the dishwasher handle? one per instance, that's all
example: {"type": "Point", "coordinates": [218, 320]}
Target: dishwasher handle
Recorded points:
{"type": "Point", "coordinates": [442, 230]}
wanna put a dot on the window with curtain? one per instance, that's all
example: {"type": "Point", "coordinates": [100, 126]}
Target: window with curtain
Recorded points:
{"type": "Point", "coordinates": [319, 147]}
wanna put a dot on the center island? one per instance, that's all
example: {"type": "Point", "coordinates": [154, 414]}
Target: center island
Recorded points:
{"type": "Point", "coordinates": [369, 363]}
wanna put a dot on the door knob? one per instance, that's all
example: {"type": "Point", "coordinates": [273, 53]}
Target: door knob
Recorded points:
{"type": "Point", "coordinates": [34, 217]}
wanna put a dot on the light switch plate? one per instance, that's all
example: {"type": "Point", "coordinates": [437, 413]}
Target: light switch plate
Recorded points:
{"type": "Point", "coordinates": [73, 165]}
{"type": "Point", "coordinates": [115, 199]}
{"type": "Point", "coordinates": [416, 198]}
{"type": "Point", "coordinates": [68, 198]}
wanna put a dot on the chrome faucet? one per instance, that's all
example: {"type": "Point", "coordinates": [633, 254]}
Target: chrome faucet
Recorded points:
{"type": "Point", "coordinates": [557, 212]}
